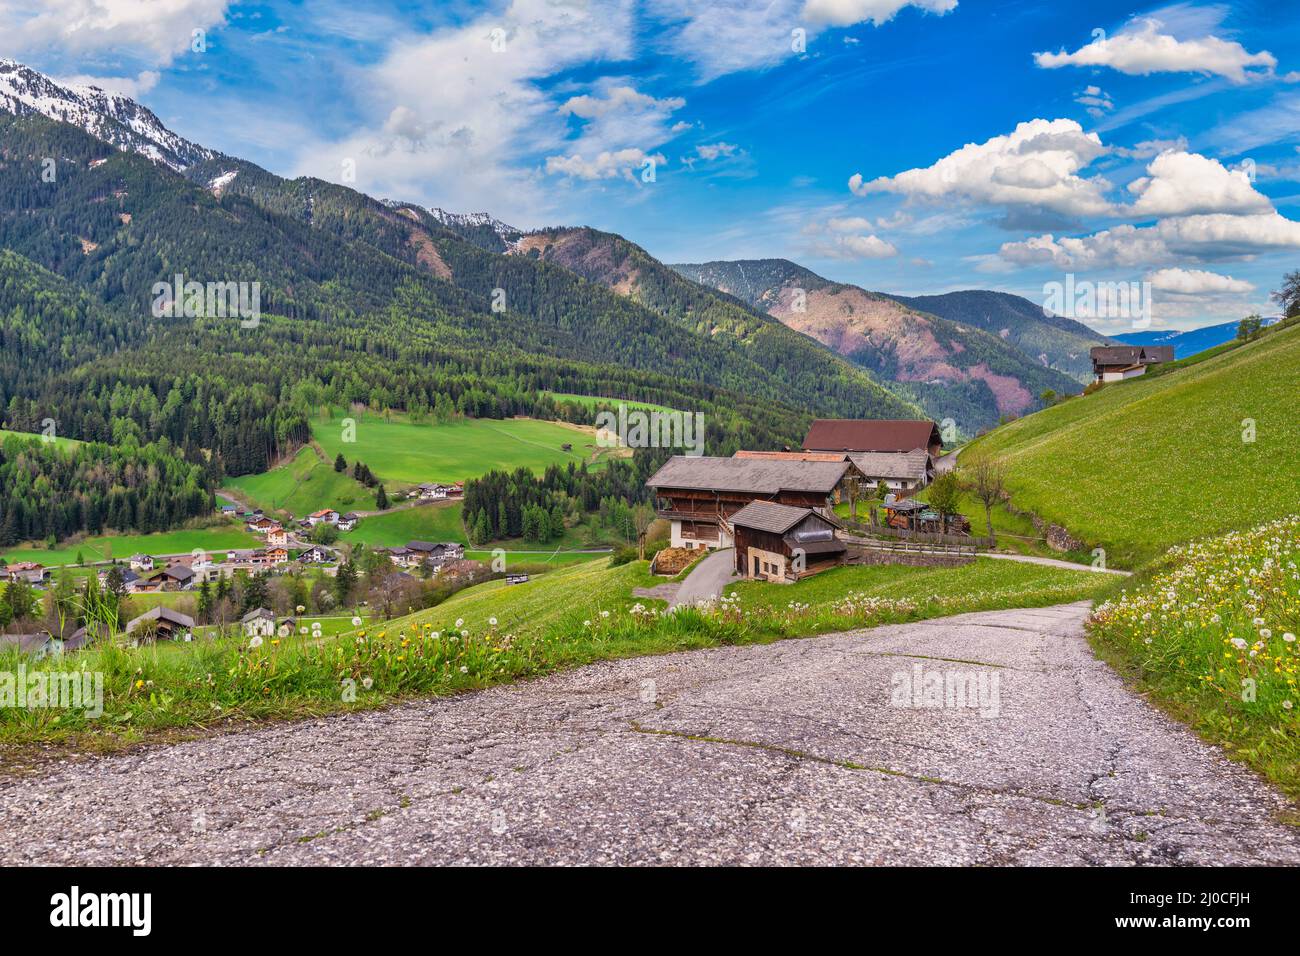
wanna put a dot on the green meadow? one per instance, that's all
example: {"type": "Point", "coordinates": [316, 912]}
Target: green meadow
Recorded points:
{"type": "Point", "coordinates": [303, 485]}
{"type": "Point", "coordinates": [436, 522]}
{"type": "Point", "coordinates": [61, 442]}
{"type": "Point", "coordinates": [403, 452]}
{"type": "Point", "coordinates": [122, 546]}
{"type": "Point", "coordinates": [442, 522]}
{"type": "Point", "coordinates": [591, 401]}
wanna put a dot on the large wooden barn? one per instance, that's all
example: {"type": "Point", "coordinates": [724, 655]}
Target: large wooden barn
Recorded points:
{"type": "Point", "coordinates": [780, 543]}
{"type": "Point", "coordinates": [699, 495]}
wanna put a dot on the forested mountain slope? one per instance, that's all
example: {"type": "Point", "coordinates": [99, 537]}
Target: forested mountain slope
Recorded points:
{"type": "Point", "coordinates": [1052, 340]}
{"type": "Point", "coordinates": [954, 370]}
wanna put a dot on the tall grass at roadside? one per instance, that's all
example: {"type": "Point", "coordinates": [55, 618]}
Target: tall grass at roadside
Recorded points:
{"type": "Point", "coordinates": [1210, 630]}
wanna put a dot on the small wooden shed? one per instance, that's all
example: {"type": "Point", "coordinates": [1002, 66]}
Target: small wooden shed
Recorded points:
{"type": "Point", "coordinates": [782, 543]}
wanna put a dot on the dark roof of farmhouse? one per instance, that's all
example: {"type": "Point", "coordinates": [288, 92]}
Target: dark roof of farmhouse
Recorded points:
{"type": "Point", "coordinates": [851, 434]}
{"type": "Point", "coordinates": [892, 464]}
{"type": "Point", "coordinates": [757, 475]}
{"type": "Point", "coordinates": [769, 516]}
{"type": "Point", "coordinates": [162, 613]}
{"type": "Point", "coordinates": [1130, 354]}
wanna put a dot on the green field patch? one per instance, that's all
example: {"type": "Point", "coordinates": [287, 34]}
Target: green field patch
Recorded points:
{"type": "Point", "coordinates": [400, 451]}
{"type": "Point", "coordinates": [61, 442]}
{"type": "Point", "coordinates": [301, 486]}
{"type": "Point", "coordinates": [122, 546]}
{"type": "Point", "coordinates": [433, 522]}
{"type": "Point", "coordinates": [591, 401]}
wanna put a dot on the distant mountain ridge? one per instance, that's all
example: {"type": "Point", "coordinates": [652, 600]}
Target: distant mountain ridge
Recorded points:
{"type": "Point", "coordinates": [954, 369]}
{"type": "Point", "coordinates": [1053, 340]}
{"type": "Point", "coordinates": [1187, 342]}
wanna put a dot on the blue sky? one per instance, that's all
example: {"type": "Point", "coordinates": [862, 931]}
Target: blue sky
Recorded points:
{"type": "Point", "coordinates": [909, 147]}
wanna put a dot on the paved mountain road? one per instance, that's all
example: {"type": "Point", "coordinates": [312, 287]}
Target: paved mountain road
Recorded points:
{"type": "Point", "coordinates": [783, 753]}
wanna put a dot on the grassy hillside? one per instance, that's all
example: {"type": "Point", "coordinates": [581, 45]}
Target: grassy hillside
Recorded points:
{"type": "Point", "coordinates": [494, 633]}
{"type": "Point", "coordinates": [303, 485]}
{"type": "Point", "coordinates": [422, 523]}
{"type": "Point", "coordinates": [407, 453]}
{"type": "Point", "coordinates": [61, 442]}
{"type": "Point", "coordinates": [591, 401]}
{"type": "Point", "coordinates": [1156, 461]}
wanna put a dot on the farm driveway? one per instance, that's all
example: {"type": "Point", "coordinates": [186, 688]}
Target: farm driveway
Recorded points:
{"type": "Point", "coordinates": [708, 578]}
{"type": "Point", "coordinates": [781, 753]}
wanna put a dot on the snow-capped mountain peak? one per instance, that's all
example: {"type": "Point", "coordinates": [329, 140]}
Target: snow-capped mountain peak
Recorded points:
{"type": "Point", "coordinates": [472, 220]}
{"type": "Point", "coordinates": [111, 117]}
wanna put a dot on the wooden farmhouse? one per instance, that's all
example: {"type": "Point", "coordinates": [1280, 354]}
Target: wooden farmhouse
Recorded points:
{"type": "Point", "coordinates": [903, 472]}
{"type": "Point", "coordinates": [698, 496]}
{"type": "Point", "coordinates": [1114, 363]}
{"type": "Point", "coordinates": [779, 543]}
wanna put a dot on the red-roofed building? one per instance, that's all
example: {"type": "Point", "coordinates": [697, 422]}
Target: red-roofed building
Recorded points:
{"type": "Point", "coordinates": [874, 435]}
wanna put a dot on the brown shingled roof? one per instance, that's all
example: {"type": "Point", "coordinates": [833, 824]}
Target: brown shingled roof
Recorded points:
{"type": "Point", "coordinates": [914, 464]}
{"type": "Point", "coordinates": [849, 434]}
{"type": "Point", "coordinates": [760, 476]}
{"type": "Point", "coordinates": [1131, 354]}
{"type": "Point", "coordinates": [768, 516]}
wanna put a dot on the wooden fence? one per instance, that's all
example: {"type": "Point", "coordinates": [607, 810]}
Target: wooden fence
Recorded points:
{"type": "Point", "coordinates": [917, 558]}
{"type": "Point", "coordinates": [904, 535]}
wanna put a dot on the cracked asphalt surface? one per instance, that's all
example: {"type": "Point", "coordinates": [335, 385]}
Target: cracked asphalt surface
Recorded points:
{"type": "Point", "coordinates": [783, 753]}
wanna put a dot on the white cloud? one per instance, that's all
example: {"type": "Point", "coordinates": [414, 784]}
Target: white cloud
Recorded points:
{"type": "Point", "coordinates": [1096, 100]}
{"type": "Point", "coordinates": [1150, 147]}
{"type": "Point", "coordinates": [1184, 184]}
{"type": "Point", "coordinates": [1197, 282]}
{"type": "Point", "coordinates": [727, 36]}
{"type": "Point", "coordinates": [459, 115]}
{"type": "Point", "coordinates": [848, 223]}
{"type": "Point", "coordinates": [622, 125]}
{"type": "Point", "coordinates": [847, 237]}
{"type": "Point", "coordinates": [1212, 237]}
{"type": "Point", "coordinates": [711, 151]}
{"type": "Point", "coordinates": [855, 247]}
{"type": "Point", "coordinates": [154, 33]}
{"type": "Point", "coordinates": [1034, 166]}
{"type": "Point", "coordinates": [608, 164]}
{"type": "Point", "coordinates": [619, 98]}
{"type": "Point", "coordinates": [845, 13]}
{"type": "Point", "coordinates": [134, 87]}
{"type": "Point", "coordinates": [1141, 48]}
